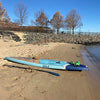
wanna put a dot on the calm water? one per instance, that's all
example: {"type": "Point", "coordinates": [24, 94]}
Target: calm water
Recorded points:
{"type": "Point", "coordinates": [94, 51]}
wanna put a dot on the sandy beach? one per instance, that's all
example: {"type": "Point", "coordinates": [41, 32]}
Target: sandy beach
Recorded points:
{"type": "Point", "coordinates": [16, 83]}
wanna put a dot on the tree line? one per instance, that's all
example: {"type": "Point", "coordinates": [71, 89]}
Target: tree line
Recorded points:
{"type": "Point", "coordinates": [71, 22]}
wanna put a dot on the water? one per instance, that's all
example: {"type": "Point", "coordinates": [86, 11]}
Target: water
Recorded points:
{"type": "Point", "coordinates": [94, 51]}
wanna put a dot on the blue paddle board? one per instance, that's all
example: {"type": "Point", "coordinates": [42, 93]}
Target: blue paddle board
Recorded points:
{"type": "Point", "coordinates": [53, 64]}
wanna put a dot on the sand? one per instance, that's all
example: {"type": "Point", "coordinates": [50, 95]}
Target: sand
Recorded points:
{"type": "Point", "coordinates": [17, 83]}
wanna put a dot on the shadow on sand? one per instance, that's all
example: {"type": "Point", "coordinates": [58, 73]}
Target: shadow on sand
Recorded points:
{"type": "Point", "coordinates": [30, 69]}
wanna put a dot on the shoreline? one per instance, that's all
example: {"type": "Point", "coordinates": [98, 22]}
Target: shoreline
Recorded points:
{"type": "Point", "coordinates": [93, 74]}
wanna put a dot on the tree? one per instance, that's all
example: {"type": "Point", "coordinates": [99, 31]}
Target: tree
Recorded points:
{"type": "Point", "coordinates": [73, 20]}
{"type": "Point", "coordinates": [41, 19]}
{"type": "Point", "coordinates": [21, 13]}
{"type": "Point", "coordinates": [57, 21]}
{"type": "Point", "coordinates": [4, 14]}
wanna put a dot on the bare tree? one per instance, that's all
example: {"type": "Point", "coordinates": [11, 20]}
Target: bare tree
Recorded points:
{"type": "Point", "coordinates": [73, 20]}
{"type": "Point", "coordinates": [57, 21]}
{"type": "Point", "coordinates": [4, 14]}
{"type": "Point", "coordinates": [21, 13]}
{"type": "Point", "coordinates": [41, 19]}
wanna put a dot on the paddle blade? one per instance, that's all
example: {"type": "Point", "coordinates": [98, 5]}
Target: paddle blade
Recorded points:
{"type": "Point", "coordinates": [56, 74]}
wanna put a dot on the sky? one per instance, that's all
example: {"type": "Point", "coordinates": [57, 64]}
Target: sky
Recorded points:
{"type": "Point", "coordinates": [88, 9]}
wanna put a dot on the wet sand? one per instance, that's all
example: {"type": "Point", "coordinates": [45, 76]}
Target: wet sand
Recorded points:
{"type": "Point", "coordinates": [17, 83]}
{"type": "Point", "coordinates": [93, 74]}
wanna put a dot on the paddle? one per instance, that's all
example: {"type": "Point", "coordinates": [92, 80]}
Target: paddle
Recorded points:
{"type": "Point", "coordinates": [53, 73]}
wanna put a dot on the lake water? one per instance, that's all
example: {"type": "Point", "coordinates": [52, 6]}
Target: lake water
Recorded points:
{"type": "Point", "coordinates": [94, 51]}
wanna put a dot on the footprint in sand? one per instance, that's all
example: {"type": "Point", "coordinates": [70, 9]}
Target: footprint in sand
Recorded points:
{"type": "Point", "coordinates": [10, 86]}
{"type": "Point", "coordinates": [11, 83]}
{"type": "Point", "coordinates": [16, 78]}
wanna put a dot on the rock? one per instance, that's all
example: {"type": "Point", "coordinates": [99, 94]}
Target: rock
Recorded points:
{"type": "Point", "coordinates": [40, 38]}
